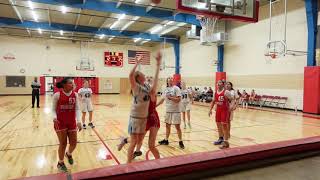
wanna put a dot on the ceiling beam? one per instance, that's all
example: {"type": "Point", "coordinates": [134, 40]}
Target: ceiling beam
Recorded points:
{"type": "Point", "coordinates": [49, 17]}
{"type": "Point", "coordinates": [119, 4]}
{"type": "Point", "coordinates": [10, 22]}
{"type": "Point", "coordinates": [128, 9]}
{"type": "Point", "coordinates": [16, 10]}
{"type": "Point", "coordinates": [78, 19]}
{"type": "Point", "coordinates": [18, 14]}
{"type": "Point", "coordinates": [90, 20]}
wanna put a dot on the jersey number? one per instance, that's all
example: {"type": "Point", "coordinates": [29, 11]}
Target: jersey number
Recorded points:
{"type": "Point", "coordinates": [72, 100]}
{"type": "Point", "coordinates": [221, 98]}
{"type": "Point", "coordinates": [184, 96]}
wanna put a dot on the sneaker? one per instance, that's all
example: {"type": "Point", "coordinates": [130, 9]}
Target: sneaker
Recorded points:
{"type": "Point", "coordinates": [62, 167]}
{"type": "Point", "coordinates": [84, 126]}
{"type": "Point", "coordinates": [38, 106]}
{"type": "Point", "coordinates": [164, 142]}
{"type": "Point", "coordinates": [189, 124]}
{"type": "Point", "coordinates": [123, 141]}
{"type": "Point", "coordinates": [219, 141]}
{"type": "Point", "coordinates": [181, 145]}
{"type": "Point", "coordinates": [136, 154]}
{"type": "Point", "coordinates": [32, 107]}
{"type": "Point", "coordinates": [70, 159]}
{"type": "Point", "coordinates": [224, 145]}
{"type": "Point", "coordinates": [91, 125]}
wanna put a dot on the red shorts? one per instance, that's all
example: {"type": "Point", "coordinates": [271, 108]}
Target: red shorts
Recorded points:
{"type": "Point", "coordinates": [65, 125]}
{"type": "Point", "coordinates": [222, 115]}
{"type": "Point", "coordinates": [153, 121]}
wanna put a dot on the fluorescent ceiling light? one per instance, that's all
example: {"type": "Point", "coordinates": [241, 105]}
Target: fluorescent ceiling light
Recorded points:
{"type": "Point", "coordinates": [146, 40]}
{"type": "Point", "coordinates": [137, 39]}
{"type": "Point", "coordinates": [138, 1]}
{"type": "Point", "coordinates": [30, 5]}
{"type": "Point", "coordinates": [101, 36]}
{"type": "Point", "coordinates": [122, 16]}
{"type": "Point", "coordinates": [156, 29]}
{"type": "Point", "coordinates": [34, 15]}
{"type": "Point", "coordinates": [112, 37]}
{"type": "Point", "coordinates": [130, 23]}
{"type": "Point", "coordinates": [63, 9]}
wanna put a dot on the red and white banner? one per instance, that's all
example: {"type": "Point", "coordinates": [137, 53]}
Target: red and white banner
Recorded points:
{"type": "Point", "coordinates": [8, 57]}
{"type": "Point", "coordinates": [113, 59]}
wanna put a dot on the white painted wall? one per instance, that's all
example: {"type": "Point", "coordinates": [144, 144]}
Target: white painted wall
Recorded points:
{"type": "Point", "coordinates": [244, 54]}
{"type": "Point", "coordinates": [62, 57]}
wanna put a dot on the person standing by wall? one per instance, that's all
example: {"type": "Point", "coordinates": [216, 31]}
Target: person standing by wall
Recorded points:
{"type": "Point", "coordinates": [35, 92]}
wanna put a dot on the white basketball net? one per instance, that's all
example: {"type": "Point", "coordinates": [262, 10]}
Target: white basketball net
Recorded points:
{"type": "Point", "coordinates": [208, 27]}
{"type": "Point", "coordinates": [276, 48]}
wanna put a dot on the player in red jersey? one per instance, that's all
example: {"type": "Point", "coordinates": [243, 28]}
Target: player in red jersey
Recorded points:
{"type": "Point", "coordinates": [221, 100]}
{"type": "Point", "coordinates": [66, 119]}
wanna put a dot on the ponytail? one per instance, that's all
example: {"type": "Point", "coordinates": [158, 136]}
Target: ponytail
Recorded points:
{"type": "Point", "coordinates": [59, 85]}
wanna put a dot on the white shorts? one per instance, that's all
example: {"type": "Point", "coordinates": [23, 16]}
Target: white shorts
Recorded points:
{"type": "Point", "coordinates": [185, 107]}
{"type": "Point", "coordinates": [137, 125]}
{"type": "Point", "coordinates": [86, 107]}
{"type": "Point", "coordinates": [172, 118]}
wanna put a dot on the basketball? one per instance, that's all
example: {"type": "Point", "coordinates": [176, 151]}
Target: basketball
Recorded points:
{"type": "Point", "coordinates": [156, 1]}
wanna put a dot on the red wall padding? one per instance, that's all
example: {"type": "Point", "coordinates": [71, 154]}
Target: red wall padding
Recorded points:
{"type": "Point", "coordinates": [311, 91]}
{"type": "Point", "coordinates": [177, 79]}
{"type": "Point", "coordinates": [220, 76]}
{"type": "Point", "coordinates": [43, 85]}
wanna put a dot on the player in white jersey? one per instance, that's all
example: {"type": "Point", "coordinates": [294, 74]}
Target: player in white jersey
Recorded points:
{"type": "Point", "coordinates": [85, 94]}
{"type": "Point", "coordinates": [172, 97]}
{"type": "Point", "coordinates": [140, 106]}
{"type": "Point", "coordinates": [233, 103]}
{"type": "Point", "coordinates": [187, 99]}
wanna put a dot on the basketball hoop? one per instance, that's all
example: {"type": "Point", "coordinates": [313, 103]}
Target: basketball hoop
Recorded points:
{"type": "Point", "coordinates": [276, 49]}
{"type": "Point", "coordinates": [208, 24]}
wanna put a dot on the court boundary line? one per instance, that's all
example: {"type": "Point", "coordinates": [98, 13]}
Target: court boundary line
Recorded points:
{"type": "Point", "coordinates": [106, 146]}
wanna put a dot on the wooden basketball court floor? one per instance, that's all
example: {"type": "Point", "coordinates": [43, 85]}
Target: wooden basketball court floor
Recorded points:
{"type": "Point", "coordinates": [28, 143]}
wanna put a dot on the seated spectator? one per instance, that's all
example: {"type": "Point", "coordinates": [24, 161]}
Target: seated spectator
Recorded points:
{"type": "Point", "coordinates": [197, 95]}
{"type": "Point", "coordinates": [252, 96]}
{"type": "Point", "coordinates": [244, 99]}
{"type": "Point", "coordinates": [210, 92]}
{"type": "Point", "coordinates": [203, 94]}
{"type": "Point", "coordinates": [208, 96]}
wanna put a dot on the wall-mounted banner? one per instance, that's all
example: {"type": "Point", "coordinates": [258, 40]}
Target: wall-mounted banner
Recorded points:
{"type": "Point", "coordinates": [113, 59]}
{"type": "Point", "coordinates": [8, 57]}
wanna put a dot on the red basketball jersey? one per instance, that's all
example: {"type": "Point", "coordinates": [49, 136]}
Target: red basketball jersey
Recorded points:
{"type": "Point", "coordinates": [221, 100]}
{"type": "Point", "coordinates": [66, 108]}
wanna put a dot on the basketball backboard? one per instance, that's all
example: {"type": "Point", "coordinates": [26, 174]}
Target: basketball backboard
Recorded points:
{"type": "Point", "coordinates": [239, 10]}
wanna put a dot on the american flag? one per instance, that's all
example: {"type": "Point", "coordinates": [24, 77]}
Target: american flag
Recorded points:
{"type": "Point", "coordinates": [134, 55]}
